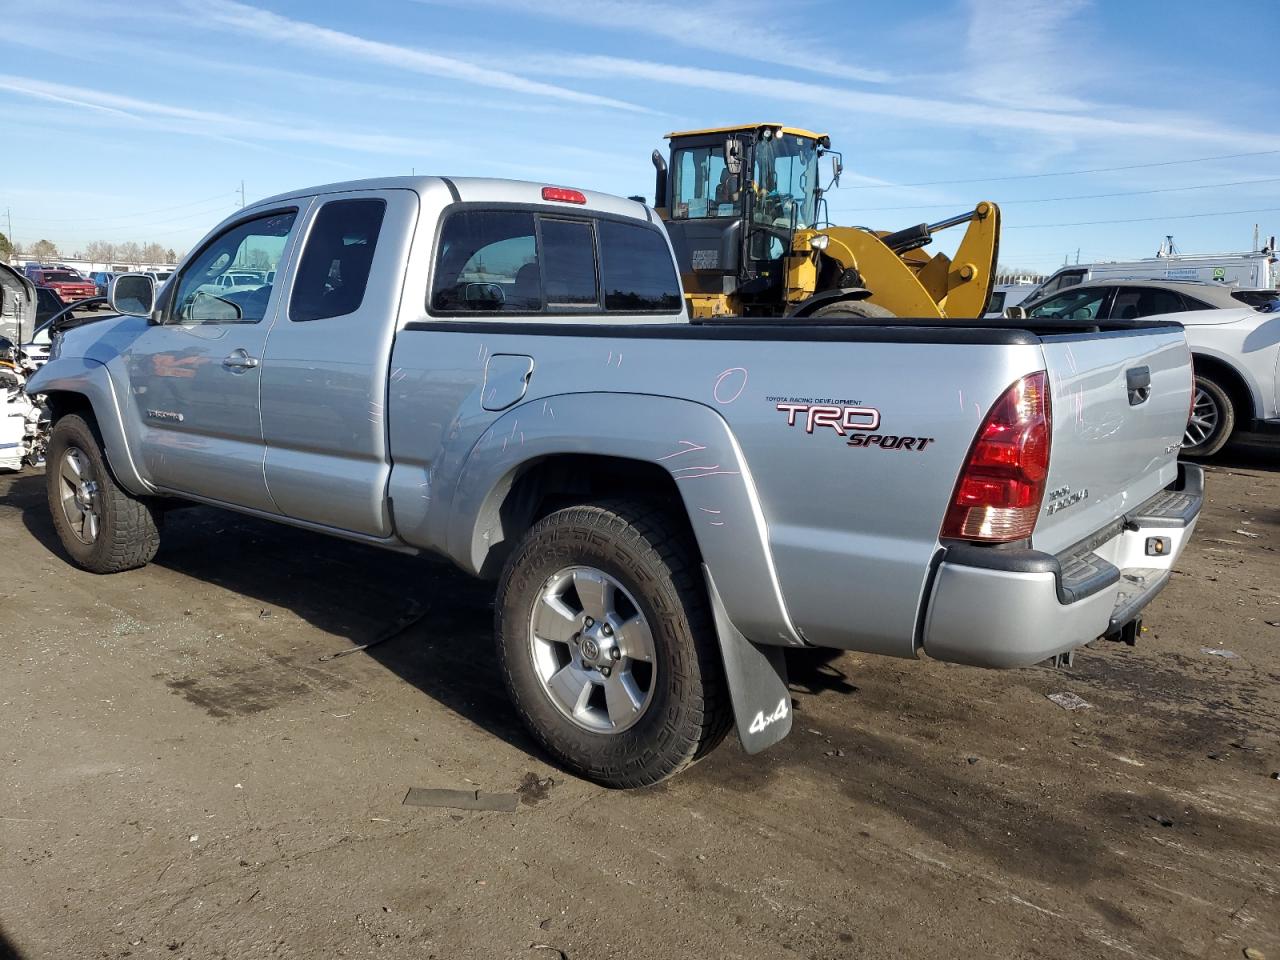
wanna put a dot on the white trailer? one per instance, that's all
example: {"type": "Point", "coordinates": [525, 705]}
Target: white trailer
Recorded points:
{"type": "Point", "coordinates": [1257, 270]}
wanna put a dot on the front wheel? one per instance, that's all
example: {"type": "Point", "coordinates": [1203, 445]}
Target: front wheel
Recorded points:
{"type": "Point", "coordinates": [103, 527]}
{"type": "Point", "coordinates": [1213, 419]}
{"type": "Point", "coordinates": [852, 308]}
{"type": "Point", "coordinates": [607, 646]}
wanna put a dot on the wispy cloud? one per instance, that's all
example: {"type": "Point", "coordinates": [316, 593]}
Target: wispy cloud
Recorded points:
{"type": "Point", "coordinates": [747, 29]}
{"type": "Point", "coordinates": [928, 112]}
{"type": "Point", "coordinates": [218, 126]}
{"type": "Point", "coordinates": [1026, 53]}
{"type": "Point", "coordinates": [274, 28]}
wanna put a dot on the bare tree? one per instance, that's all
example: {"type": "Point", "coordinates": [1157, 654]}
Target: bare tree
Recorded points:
{"type": "Point", "coordinates": [129, 252]}
{"type": "Point", "coordinates": [44, 250]}
{"type": "Point", "coordinates": [101, 251]}
{"type": "Point", "coordinates": [153, 253]}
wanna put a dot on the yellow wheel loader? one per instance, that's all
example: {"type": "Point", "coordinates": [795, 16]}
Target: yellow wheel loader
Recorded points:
{"type": "Point", "coordinates": [747, 218]}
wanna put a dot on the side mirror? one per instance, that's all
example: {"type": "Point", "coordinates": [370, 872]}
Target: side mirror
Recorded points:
{"type": "Point", "coordinates": [733, 155]}
{"type": "Point", "coordinates": [1015, 313]}
{"type": "Point", "coordinates": [837, 167]}
{"type": "Point", "coordinates": [133, 294]}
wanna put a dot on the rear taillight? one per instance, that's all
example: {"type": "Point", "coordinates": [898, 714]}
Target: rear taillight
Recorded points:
{"type": "Point", "coordinates": [998, 495]}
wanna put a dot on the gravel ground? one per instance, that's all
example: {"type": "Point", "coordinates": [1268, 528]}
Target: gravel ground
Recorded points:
{"type": "Point", "coordinates": [186, 775]}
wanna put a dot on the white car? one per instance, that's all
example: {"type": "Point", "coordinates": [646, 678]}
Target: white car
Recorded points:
{"type": "Point", "coordinates": [1237, 361]}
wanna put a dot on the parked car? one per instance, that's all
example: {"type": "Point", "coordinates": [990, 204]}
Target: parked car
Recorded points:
{"type": "Point", "coordinates": [101, 280]}
{"type": "Point", "coordinates": [68, 284]}
{"type": "Point", "coordinates": [1007, 295]}
{"type": "Point", "coordinates": [1257, 269]}
{"type": "Point", "coordinates": [1233, 337]}
{"type": "Point", "coordinates": [665, 504]}
{"type": "Point", "coordinates": [1131, 299]}
{"type": "Point", "coordinates": [159, 276]}
{"type": "Point", "coordinates": [1237, 362]}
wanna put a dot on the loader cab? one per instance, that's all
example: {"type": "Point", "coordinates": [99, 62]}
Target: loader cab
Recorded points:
{"type": "Point", "coordinates": [733, 198]}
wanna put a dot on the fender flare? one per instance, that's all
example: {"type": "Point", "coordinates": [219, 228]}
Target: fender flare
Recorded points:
{"type": "Point", "coordinates": [92, 380]}
{"type": "Point", "coordinates": [694, 444]}
{"type": "Point", "coordinates": [689, 440]}
{"type": "Point", "coordinates": [821, 299]}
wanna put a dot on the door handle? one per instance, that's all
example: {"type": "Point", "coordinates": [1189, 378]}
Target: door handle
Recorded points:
{"type": "Point", "coordinates": [240, 360]}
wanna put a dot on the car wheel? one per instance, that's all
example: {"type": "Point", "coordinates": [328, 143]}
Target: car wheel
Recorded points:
{"type": "Point", "coordinates": [1213, 419]}
{"type": "Point", "coordinates": [103, 528]}
{"type": "Point", "coordinates": [607, 645]}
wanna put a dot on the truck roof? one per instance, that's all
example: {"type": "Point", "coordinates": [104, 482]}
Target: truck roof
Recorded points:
{"type": "Point", "coordinates": [476, 189]}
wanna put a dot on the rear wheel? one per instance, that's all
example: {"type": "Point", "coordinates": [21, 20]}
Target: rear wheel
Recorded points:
{"type": "Point", "coordinates": [104, 528]}
{"type": "Point", "coordinates": [852, 308]}
{"type": "Point", "coordinates": [607, 646]}
{"type": "Point", "coordinates": [1213, 419]}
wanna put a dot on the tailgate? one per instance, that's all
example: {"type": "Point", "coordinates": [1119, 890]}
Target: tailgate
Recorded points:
{"type": "Point", "coordinates": [1120, 403]}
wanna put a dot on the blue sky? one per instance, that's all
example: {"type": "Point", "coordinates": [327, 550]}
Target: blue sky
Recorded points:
{"type": "Point", "coordinates": [138, 121]}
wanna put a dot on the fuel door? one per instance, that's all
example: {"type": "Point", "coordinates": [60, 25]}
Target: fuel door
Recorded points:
{"type": "Point", "coordinates": [506, 378]}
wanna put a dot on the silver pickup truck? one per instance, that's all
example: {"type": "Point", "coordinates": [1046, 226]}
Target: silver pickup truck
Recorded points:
{"type": "Point", "coordinates": [505, 374]}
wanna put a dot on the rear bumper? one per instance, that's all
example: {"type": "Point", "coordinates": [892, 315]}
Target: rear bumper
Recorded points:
{"type": "Point", "coordinates": [1011, 608]}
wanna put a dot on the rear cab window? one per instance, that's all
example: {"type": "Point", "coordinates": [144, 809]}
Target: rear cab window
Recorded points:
{"type": "Point", "coordinates": [527, 262]}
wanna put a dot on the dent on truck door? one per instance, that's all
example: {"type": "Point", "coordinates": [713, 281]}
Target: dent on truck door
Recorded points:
{"type": "Point", "coordinates": [193, 379]}
{"type": "Point", "coordinates": [324, 379]}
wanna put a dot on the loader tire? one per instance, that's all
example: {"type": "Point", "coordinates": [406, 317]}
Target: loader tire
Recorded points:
{"type": "Point", "coordinates": [607, 645]}
{"type": "Point", "coordinates": [852, 308]}
{"type": "Point", "coordinates": [102, 527]}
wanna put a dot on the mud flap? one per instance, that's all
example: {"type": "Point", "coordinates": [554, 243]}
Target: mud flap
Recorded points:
{"type": "Point", "coordinates": [757, 676]}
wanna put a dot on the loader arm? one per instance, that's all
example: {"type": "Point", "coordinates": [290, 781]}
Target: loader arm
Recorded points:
{"type": "Point", "coordinates": [909, 282]}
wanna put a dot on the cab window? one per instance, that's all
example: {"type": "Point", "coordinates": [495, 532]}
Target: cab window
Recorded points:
{"type": "Point", "coordinates": [701, 186]}
{"type": "Point", "coordinates": [1073, 305]}
{"type": "Point", "coordinates": [206, 294]}
{"type": "Point", "coordinates": [334, 270]}
{"type": "Point", "coordinates": [488, 262]}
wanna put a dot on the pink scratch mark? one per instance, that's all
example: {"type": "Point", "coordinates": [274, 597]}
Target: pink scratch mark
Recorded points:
{"type": "Point", "coordinates": [480, 352]}
{"type": "Point", "coordinates": [960, 394]}
{"type": "Point", "coordinates": [719, 384]}
{"type": "Point", "coordinates": [610, 360]}
{"type": "Point", "coordinates": [504, 444]}
{"type": "Point", "coordinates": [708, 510]}
{"type": "Point", "coordinates": [619, 359]}
{"type": "Point", "coordinates": [690, 447]}
{"type": "Point", "coordinates": [714, 466]}
{"type": "Point", "coordinates": [717, 523]}
{"type": "Point", "coordinates": [522, 438]}
{"type": "Point", "coordinates": [713, 473]}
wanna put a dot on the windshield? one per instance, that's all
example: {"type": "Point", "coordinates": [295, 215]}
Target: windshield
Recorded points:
{"type": "Point", "coordinates": [786, 171]}
{"type": "Point", "coordinates": [700, 185]}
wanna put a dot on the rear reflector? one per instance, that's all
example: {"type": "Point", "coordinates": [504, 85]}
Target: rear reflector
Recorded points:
{"type": "Point", "coordinates": [563, 195]}
{"type": "Point", "coordinates": [998, 495]}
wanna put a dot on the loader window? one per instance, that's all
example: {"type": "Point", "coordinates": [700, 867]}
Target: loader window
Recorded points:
{"type": "Point", "coordinates": [786, 173]}
{"type": "Point", "coordinates": [700, 186]}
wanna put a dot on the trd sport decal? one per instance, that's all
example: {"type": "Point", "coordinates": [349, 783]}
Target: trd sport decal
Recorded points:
{"type": "Point", "coordinates": [853, 421]}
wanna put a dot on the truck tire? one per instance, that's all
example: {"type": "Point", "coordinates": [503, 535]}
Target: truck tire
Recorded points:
{"type": "Point", "coordinates": [852, 308]}
{"type": "Point", "coordinates": [607, 645]}
{"type": "Point", "coordinates": [102, 527]}
{"type": "Point", "coordinates": [1213, 419]}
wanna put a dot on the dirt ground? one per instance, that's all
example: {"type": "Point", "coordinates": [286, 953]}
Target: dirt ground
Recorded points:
{"type": "Point", "coordinates": [185, 776]}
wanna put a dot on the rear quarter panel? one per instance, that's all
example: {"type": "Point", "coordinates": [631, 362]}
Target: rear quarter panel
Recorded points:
{"type": "Point", "coordinates": [852, 531]}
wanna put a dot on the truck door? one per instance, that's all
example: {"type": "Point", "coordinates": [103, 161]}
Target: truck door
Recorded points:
{"type": "Point", "coordinates": [194, 377]}
{"type": "Point", "coordinates": [324, 378]}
